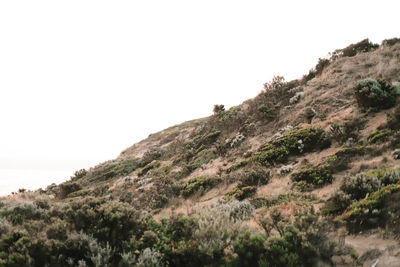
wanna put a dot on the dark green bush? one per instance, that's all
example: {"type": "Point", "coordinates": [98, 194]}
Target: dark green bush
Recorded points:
{"type": "Point", "coordinates": [250, 249]}
{"type": "Point", "coordinates": [360, 47]}
{"type": "Point", "coordinates": [67, 188]}
{"type": "Point", "coordinates": [378, 94]}
{"type": "Point", "coordinates": [372, 211]}
{"type": "Point", "coordinates": [314, 176]}
{"type": "Point", "coordinates": [341, 159]}
{"type": "Point", "coordinates": [391, 42]}
{"type": "Point", "coordinates": [241, 193]}
{"type": "Point", "coordinates": [199, 183]}
{"type": "Point", "coordinates": [112, 169]}
{"type": "Point", "coordinates": [357, 187]}
{"type": "Point", "coordinates": [295, 141]}
{"type": "Point", "coordinates": [148, 167]}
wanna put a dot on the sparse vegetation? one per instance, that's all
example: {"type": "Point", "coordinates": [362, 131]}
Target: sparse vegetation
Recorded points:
{"type": "Point", "coordinates": [196, 194]}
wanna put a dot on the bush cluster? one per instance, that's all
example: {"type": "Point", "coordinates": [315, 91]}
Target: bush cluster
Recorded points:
{"type": "Point", "coordinates": [356, 188]}
{"type": "Point", "coordinates": [293, 142]}
{"type": "Point", "coordinates": [248, 180]}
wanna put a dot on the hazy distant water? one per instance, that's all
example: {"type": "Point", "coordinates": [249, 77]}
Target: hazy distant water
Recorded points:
{"type": "Point", "coordinates": [13, 179]}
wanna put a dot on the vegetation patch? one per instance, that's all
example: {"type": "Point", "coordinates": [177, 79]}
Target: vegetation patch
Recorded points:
{"type": "Point", "coordinates": [341, 159]}
{"type": "Point", "coordinates": [80, 193]}
{"type": "Point", "coordinates": [371, 211]}
{"type": "Point", "coordinates": [295, 141]}
{"type": "Point", "coordinates": [377, 94]}
{"type": "Point", "coordinates": [204, 157]}
{"type": "Point", "coordinates": [112, 169]}
{"type": "Point", "coordinates": [355, 188]}
{"type": "Point", "coordinates": [313, 177]}
{"type": "Point", "coordinates": [201, 183]}
{"type": "Point", "coordinates": [380, 136]}
{"type": "Point", "coordinates": [148, 167]}
{"type": "Point", "coordinates": [248, 182]}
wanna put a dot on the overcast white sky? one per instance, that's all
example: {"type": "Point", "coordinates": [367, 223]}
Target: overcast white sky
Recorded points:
{"type": "Point", "coordinates": [83, 80]}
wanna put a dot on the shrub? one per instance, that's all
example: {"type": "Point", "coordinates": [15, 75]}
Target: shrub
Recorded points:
{"type": "Point", "coordinates": [362, 213]}
{"type": "Point", "coordinates": [67, 188]}
{"type": "Point", "coordinates": [148, 167]}
{"type": "Point", "coordinates": [360, 47]}
{"type": "Point", "coordinates": [250, 249]}
{"type": "Point", "coordinates": [377, 94]}
{"type": "Point", "coordinates": [393, 120]}
{"type": "Point", "coordinates": [341, 159]}
{"type": "Point", "coordinates": [380, 136]}
{"type": "Point", "coordinates": [204, 157]}
{"type": "Point", "coordinates": [390, 42]}
{"type": "Point", "coordinates": [111, 169]}
{"type": "Point", "coordinates": [199, 183]}
{"type": "Point", "coordinates": [295, 141]}
{"type": "Point", "coordinates": [357, 187]}
{"type": "Point", "coordinates": [241, 193]}
{"type": "Point", "coordinates": [219, 109]}
{"type": "Point", "coordinates": [350, 129]}
{"type": "Point", "coordinates": [22, 212]}
{"type": "Point", "coordinates": [314, 176]}
{"type": "Point", "coordinates": [237, 210]}
{"type": "Point", "coordinates": [360, 185]}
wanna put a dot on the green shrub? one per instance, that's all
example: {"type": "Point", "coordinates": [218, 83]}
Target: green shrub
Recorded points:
{"type": "Point", "coordinates": [341, 159]}
{"type": "Point", "coordinates": [80, 193]}
{"type": "Point", "coordinates": [360, 185]}
{"type": "Point", "coordinates": [22, 212]}
{"type": "Point", "coordinates": [350, 129]}
{"type": "Point", "coordinates": [393, 119]}
{"type": "Point", "coordinates": [357, 187]}
{"type": "Point", "coordinates": [377, 94]}
{"type": "Point", "coordinates": [238, 165]}
{"type": "Point", "coordinates": [241, 193]}
{"type": "Point", "coordinates": [380, 136]}
{"type": "Point", "coordinates": [360, 47]}
{"type": "Point", "coordinates": [250, 249]}
{"type": "Point", "coordinates": [391, 42]}
{"type": "Point", "coordinates": [361, 214]}
{"type": "Point", "coordinates": [111, 169]}
{"type": "Point", "coordinates": [295, 141]}
{"type": "Point", "coordinates": [204, 157]}
{"type": "Point", "coordinates": [313, 176]}
{"type": "Point", "coordinates": [199, 183]}
{"type": "Point", "coordinates": [148, 167]}
{"type": "Point", "coordinates": [219, 110]}
{"type": "Point", "coordinates": [67, 188]}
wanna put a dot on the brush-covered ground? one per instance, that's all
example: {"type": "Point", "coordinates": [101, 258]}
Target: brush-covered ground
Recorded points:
{"type": "Point", "coordinates": [304, 174]}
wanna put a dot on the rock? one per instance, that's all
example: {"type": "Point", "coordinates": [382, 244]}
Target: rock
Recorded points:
{"type": "Point", "coordinates": [396, 154]}
{"type": "Point", "coordinates": [237, 140]}
{"type": "Point", "coordinates": [285, 169]}
{"type": "Point", "coordinates": [296, 98]}
{"type": "Point", "coordinates": [248, 154]}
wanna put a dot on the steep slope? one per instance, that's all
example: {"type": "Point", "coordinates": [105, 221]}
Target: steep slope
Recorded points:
{"type": "Point", "coordinates": [305, 173]}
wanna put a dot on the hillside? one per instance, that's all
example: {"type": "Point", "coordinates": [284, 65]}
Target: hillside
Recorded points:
{"type": "Point", "coordinates": [307, 173]}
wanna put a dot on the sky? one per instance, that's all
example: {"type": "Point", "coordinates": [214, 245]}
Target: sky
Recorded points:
{"type": "Point", "coordinates": [80, 81]}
